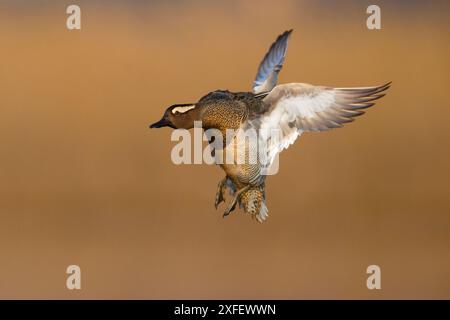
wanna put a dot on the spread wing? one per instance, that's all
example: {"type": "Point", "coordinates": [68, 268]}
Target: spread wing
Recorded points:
{"type": "Point", "coordinates": [291, 109]}
{"type": "Point", "coordinates": [267, 75]}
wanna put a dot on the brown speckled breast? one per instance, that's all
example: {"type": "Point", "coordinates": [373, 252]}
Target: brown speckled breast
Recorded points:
{"type": "Point", "coordinates": [225, 110]}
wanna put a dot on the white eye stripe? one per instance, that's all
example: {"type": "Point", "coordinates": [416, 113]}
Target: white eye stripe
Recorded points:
{"type": "Point", "coordinates": [182, 109]}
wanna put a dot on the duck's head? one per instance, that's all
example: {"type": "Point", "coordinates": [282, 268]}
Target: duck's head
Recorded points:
{"type": "Point", "coordinates": [178, 116]}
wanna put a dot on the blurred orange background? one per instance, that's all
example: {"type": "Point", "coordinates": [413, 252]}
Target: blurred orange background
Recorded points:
{"type": "Point", "coordinates": [84, 181]}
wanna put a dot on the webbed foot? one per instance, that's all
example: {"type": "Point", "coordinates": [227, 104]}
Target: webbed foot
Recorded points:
{"type": "Point", "coordinates": [220, 192]}
{"type": "Point", "coordinates": [233, 203]}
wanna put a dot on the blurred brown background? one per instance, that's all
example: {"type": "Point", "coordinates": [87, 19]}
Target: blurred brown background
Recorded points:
{"type": "Point", "coordinates": [84, 181]}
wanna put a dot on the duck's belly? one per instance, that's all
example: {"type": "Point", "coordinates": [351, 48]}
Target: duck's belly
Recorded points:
{"type": "Point", "coordinates": [245, 169]}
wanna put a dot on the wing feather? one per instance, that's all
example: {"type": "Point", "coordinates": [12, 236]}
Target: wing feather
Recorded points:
{"type": "Point", "coordinates": [267, 75]}
{"type": "Point", "coordinates": [294, 108]}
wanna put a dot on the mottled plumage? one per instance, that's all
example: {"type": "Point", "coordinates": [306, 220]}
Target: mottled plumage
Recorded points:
{"type": "Point", "coordinates": [288, 109]}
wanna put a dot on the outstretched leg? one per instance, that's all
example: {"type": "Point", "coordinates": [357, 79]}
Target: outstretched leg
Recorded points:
{"type": "Point", "coordinates": [233, 203]}
{"type": "Point", "coordinates": [220, 192]}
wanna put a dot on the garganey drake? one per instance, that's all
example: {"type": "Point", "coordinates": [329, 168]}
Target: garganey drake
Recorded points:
{"type": "Point", "coordinates": [288, 109]}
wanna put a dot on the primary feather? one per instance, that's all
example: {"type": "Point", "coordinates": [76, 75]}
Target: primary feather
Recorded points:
{"type": "Point", "coordinates": [267, 75]}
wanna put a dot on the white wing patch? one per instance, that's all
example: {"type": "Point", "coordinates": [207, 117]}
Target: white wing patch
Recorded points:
{"type": "Point", "coordinates": [279, 128]}
{"type": "Point", "coordinates": [308, 105]}
{"type": "Point", "coordinates": [183, 109]}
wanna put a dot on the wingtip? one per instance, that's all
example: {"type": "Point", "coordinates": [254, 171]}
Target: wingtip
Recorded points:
{"type": "Point", "coordinates": [283, 40]}
{"type": "Point", "coordinates": [287, 33]}
{"type": "Point", "coordinates": [385, 86]}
